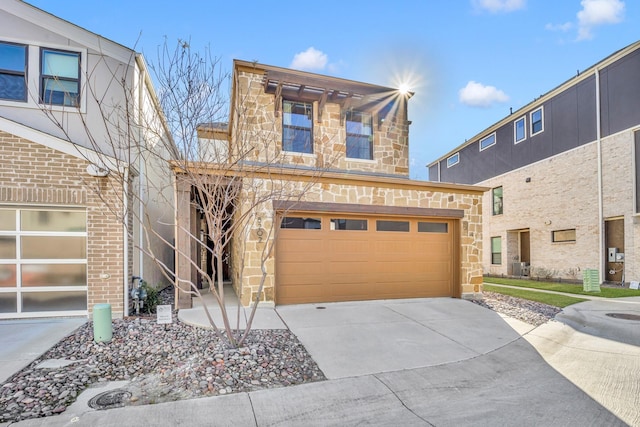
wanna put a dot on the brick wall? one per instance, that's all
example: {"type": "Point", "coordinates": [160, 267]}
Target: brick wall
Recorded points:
{"type": "Point", "coordinates": [562, 193]}
{"type": "Point", "coordinates": [34, 175]}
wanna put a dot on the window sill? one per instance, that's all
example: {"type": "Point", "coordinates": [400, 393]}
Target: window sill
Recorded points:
{"type": "Point", "coordinates": [354, 159]}
{"type": "Point", "coordinates": [297, 153]}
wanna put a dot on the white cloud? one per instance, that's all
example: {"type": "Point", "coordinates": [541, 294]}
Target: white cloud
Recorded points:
{"type": "Point", "coordinates": [476, 94]}
{"type": "Point", "coordinates": [598, 12]}
{"type": "Point", "coordinates": [559, 27]}
{"type": "Point", "coordinates": [310, 59]}
{"type": "Point", "coordinates": [496, 6]}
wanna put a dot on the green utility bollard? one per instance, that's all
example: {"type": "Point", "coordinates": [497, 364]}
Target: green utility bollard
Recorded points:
{"type": "Point", "coordinates": [102, 329]}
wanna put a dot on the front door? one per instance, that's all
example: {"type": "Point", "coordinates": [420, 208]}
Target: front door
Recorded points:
{"type": "Point", "coordinates": [614, 240]}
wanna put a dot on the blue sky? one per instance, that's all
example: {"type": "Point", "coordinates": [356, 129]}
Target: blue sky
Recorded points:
{"type": "Point", "coordinates": [468, 61]}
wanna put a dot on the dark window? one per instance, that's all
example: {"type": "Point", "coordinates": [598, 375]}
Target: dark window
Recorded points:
{"type": "Point", "coordinates": [60, 76]}
{"type": "Point", "coordinates": [349, 224]}
{"type": "Point", "coordinates": [301, 223]}
{"type": "Point", "coordinates": [537, 125]}
{"type": "Point", "coordinates": [433, 227]}
{"type": "Point", "coordinates": [13, 72]}
{"type": "Point", "coordinates": [359, 135]}
{"type": "Point", "coordinates": [497, 200]}
{"type": "Point", "coordinates": [563, 235]}
{"type": "Point", "coordinates": [297, 127]}
{"type": "Point", "coordinates": [496, 250]}
{"type": "Point", "coordinates": [392, 225]}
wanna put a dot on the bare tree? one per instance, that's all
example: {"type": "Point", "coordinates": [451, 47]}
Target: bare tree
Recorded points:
{"type": "Point", "coordinates": [230, 182]}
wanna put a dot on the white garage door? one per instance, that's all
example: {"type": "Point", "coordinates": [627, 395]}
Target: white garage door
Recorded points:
{"type": "Point", "coordinates": [43, 262]}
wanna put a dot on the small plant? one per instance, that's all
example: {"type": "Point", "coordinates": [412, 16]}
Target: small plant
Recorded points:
{"type": "Point", "coordinates": [545, 273]}
{"type": "Point", "coordinates": [153, 297]}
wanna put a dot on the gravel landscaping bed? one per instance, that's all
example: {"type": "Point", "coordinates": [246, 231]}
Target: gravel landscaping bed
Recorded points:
{"type": "Point", "coordinates": [177, 361]}
{"type": "Point", "coordinates": [531, 312]}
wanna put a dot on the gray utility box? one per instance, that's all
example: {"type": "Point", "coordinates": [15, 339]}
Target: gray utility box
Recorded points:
{"type": "Point", "coordinates": [520, 269]}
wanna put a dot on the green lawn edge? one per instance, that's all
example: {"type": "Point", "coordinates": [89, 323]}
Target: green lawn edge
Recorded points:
{"type": "Point", "coordinates": [555, 300]}
{"type": "Point", "coordinates": [568, 288]}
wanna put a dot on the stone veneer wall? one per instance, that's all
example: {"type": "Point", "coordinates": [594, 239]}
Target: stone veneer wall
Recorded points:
{"type": "Point", "coordinates": [34, 175]}
{"type": "Point", "coordinates": [255, 123]}
{"type": "Point", "coordinates": [368, 194]}
{"type": "Point", "coordinates": [563, 194]}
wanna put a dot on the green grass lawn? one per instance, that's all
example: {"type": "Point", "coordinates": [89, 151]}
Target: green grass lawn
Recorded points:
{"type": "Point", "coordinates": [563, 287]}
{"type": "Point", "coordinates": [555, 300]}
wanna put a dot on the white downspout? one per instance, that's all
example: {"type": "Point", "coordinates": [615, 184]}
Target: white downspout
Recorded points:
{"type": "Point", "coordinates": [600, 190]}
{"type": "Point", "coordinates": [141, 176]}
{"type": "Point", "coordinates": [126, 244]}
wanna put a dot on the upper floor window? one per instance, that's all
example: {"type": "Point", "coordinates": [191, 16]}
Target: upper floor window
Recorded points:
{"type": "Point", "coordinates": [359, 135]}
{"type": "Point", "coordinates": [520, 130]}
{"type": "Point", "coordinates": [496, 194]}
{"type": "Point", "coordinates": [488, 141]}
{"type": "Point", "coordinates": [13, 72]}
{"type": "Point", "coordinates": [453, 160]}
{"type": "Point", "coordinates": [60, 77]}
{"type": "Point", "coordinates": [297, 127]}
{"type": "Point", "coordinates": [537, 121]}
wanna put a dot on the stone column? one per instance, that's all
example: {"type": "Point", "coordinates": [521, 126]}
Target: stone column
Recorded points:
{"type": "Point", "coordinates": [183, 242]}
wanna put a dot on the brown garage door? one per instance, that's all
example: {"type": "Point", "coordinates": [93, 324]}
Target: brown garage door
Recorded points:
{"type": "Point", "coordinates": [324, 257]}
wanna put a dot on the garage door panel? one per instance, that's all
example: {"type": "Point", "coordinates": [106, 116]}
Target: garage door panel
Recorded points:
{"type": "Point", "coordinates": [343, 265]}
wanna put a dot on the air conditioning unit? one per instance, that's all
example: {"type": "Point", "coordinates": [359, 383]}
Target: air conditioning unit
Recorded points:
{"type": "Point", "coordinates": [520, 269]}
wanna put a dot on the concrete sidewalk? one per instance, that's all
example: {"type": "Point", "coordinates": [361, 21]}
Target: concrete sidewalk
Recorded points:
{"type": "Point", "coordinates": [400, 362]}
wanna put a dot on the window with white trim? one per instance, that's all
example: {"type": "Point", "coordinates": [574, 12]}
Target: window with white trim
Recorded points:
{"type": "Point", "coordinates": [13, 71]}
{"type": "Point", "coordinates": [453, 160]}
{"type": "Point", "coordinates": [496, 250]}
{"type": "Point", "coordinates": [297, 127]}
{"type": "Point", "coordinates": [537, 121]}
{"type": "Point", "coordinates": [488, 141]}
{"type": "Point", "coordinates": [520, 130]}
{"type": "Point", "coordinates": [359, 130]}
{"type": "Point", "coordinates": [59, 77]}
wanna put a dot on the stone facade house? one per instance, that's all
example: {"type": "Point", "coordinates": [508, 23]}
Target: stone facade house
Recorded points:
{"type": "Point", "coordinates": [564, 172]}
{"type": "Point", "coordinates": [70, 205]}
{"type": "Point", "coordinates": [331, 158]}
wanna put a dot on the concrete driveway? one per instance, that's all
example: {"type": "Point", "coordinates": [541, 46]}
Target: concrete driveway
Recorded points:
{"type": "Point", "coordinates": [443, 362]}
{"type": "Point", "coordinates": [24, 340]}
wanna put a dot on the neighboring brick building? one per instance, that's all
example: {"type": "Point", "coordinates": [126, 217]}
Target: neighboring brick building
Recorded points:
{"type": "Point", "coordinates": [564, 172]}
{"type": "Point", "coordinates": [361, 228]}
{"type": "Point", "coordinates": [69, 234]}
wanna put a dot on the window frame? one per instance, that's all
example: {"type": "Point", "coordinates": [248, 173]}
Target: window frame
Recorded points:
{"type": "Point", "coordinates": [490, 136]}
{"type": "Point", "coordinates": [515, 130]}
{"type": "Point", "coordinates": [24, 73]}
{"type": "Point", "coordinates": [541, 110]}
{"type": "Point", "coordinates": [352, 221]}
{"type": "Point", "coordinates": [494, 254]}
{"type": "Point", "coordinates": [43, 78]}
{"type": "Point", "coordinates": [457, 157]}
{"type": "Point", "coordinates": [303, 219]}
{"type": "Point", "coordinates": [383, 223]}
{"type": "Point", "coordinates": [297, 127]}
{"type": "Point", "coordinates": [358, 135]}
{"type": "Point", "coordinates": [554, 240]}
{"type": "Point", "coordinates": [494, 211]}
